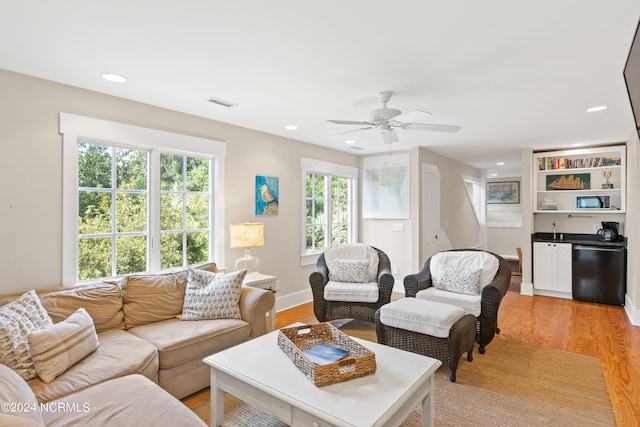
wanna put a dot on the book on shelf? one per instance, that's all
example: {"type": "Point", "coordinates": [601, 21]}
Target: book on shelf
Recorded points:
{"type": "Point", "coordinates": [556, 163]}
{"type": "Point", "coordinates": [323, 354]}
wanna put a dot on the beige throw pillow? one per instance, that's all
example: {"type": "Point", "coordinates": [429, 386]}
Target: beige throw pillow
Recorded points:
{"type": "Point", "coordinates": [350, 270]}
{"type": "Point", "coordinates": [23, 315]}
{"type": "Point", "coordinates": [103, 302]}
{"type": "Point", "coordinates": [459, 280]}
{"type": "Point", "coordinates": [57, 348]}
{"type": "Point", "coordinates": [212, 295]}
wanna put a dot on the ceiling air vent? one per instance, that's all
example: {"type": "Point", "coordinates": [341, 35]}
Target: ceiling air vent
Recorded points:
{"type": "Point", "coordinates": [355, 147]}
{"type": "Point", "coordinates": [221, 102]}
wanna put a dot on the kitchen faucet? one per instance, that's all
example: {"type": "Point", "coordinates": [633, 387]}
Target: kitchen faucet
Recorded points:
{"type": "Point", "coordinates": [554, 230]}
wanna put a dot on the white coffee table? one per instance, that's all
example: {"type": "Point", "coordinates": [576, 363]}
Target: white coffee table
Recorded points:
{"type": "Point", "coordinates": [261, 374]}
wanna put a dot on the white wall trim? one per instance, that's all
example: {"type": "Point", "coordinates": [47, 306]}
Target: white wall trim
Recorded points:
{"type": "Point", "coordinates": [295, 299]}
{"type": "Point", "coordinates": [633, 313]}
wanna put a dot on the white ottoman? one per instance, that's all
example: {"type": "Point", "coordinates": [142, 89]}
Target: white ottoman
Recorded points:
{"type": "Point", "coordinates": [430, 328]}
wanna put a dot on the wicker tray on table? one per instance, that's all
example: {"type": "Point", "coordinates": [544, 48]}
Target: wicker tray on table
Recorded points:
{"type": "Point", "coordinates": [296, 340]}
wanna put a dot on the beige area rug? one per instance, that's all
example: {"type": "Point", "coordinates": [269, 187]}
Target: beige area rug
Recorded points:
{"type": "Point", "coordinates": [512, 384]}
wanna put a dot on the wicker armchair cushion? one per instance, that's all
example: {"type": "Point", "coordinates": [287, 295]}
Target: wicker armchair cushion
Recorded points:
{"type": "Point", "coordinates": [351, 292]}
{"type": "Point", "coordinates": [471, 304]}
{"type": "Point", "coordinates": [461, 261]}
{"type": "Point", "coordinates": [425, 317]}
{"type": "Point", "coordinates": [353, 251]}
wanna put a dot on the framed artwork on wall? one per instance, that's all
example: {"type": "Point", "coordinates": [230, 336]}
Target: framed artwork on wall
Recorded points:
{"type": "Point", "coordinates": [386, 187]}
{"type": "Point", "coordinates": [503, 192]}
{"type": "Point", "coordinates": [266, 193]}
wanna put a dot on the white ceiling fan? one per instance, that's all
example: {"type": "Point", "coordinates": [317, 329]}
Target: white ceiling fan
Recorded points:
{"type": "Point", "coordinates": [387, 119]}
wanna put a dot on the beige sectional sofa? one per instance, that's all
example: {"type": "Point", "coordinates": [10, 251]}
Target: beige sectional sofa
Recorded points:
{"type": "Point", "coordinates": [140, 335]}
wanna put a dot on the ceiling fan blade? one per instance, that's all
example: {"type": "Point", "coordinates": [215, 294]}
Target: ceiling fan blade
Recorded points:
{"type": "Point", "coordinates": [431, 127]}
{"type": "Point", "coordinates": [390, 136]}
{"type": "Point", "coordinates": [411, 116]}
{"type": "Point", "coordinates": [352, 131]}
{"type": "Point", "coordinates": [350, 122]}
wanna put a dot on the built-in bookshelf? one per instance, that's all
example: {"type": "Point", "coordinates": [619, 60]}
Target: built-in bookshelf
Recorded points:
{"type": "Point", "coordinates": [588, 179]}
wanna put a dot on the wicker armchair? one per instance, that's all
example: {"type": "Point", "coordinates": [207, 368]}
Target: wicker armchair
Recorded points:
{"type": "Point", "coordinates": [329, 310]}
{"type": "Point", "coordinates": [491, 296]}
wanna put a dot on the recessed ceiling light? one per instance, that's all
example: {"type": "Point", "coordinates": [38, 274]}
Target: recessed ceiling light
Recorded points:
{"type": "Point", "coordinates": [494, 174]}
{"type": "Point", "coordinates": [577, 144]}
{"type": "Point", "coordinates": [115, 78]}
{"type": "Point", "coordinates": [291, 127]}
{"type": "Point", "coordinates": [500, 164]}
{"type": "Point", "coordinates": [596, 108]}
{"type": "Point", "coordinates": [350, 141]}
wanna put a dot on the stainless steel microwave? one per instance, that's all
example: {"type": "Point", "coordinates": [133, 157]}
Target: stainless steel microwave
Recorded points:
{"type": "Point", "coordinates": [593, 202]}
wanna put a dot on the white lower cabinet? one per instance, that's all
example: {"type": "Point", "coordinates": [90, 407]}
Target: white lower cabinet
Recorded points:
{"type": "Point", "coordinates": [552, 266]}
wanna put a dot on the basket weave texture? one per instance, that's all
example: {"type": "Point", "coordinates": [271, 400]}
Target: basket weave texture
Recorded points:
{"type": "Point", "coordinates": [296, 340]}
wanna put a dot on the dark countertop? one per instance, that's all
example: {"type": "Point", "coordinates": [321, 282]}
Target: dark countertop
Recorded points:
{"type": "Point", "coordinates": [579, 239]}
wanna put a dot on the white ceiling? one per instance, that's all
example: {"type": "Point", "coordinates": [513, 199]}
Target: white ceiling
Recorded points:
{"type": "Point", "coordinates": [513, 74]}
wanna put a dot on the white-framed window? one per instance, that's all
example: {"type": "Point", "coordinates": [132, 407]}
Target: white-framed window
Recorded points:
{"type": "Point", "coordinates": [137, 200]}
{"type": "Point", "coordinates": [329, 211]}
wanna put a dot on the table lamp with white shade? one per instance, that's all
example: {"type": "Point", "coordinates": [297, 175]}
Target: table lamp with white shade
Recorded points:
{"type": "Point", "coordinates": [247, 235]}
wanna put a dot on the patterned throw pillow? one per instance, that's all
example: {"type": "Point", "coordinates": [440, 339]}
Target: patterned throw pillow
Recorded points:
{"type": "Point", "coordinates": [21, 316]}
{"type": "Point", "coordinates": [59, 347]}
{"type": "Point", "coordinates": [462, 281]}
{"type": "Point", "coordinates": [212, 295]}
{"type": "Point", "coordinates": [351, 271]}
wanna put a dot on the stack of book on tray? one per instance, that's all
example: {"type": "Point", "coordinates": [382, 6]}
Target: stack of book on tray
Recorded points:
{"type": "Point", "coordinates": [323, 354]}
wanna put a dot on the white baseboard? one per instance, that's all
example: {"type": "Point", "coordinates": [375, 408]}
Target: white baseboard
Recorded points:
{"type": "Point", "coordinates": [526, 289]}
{"type": "Point", "coordinates": [292, 300]}
{"type": "Point", "coordinates": [633, 313]}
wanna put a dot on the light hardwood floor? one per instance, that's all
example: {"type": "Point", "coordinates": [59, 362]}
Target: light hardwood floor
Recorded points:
{"type": "Point", "coordinates": [595, 330]}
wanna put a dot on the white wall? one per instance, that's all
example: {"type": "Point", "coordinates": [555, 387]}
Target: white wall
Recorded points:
{"type": "Point", "coordinates": [632, 229]}
{"type": "Point", "coordinates": [31, 173]}
{"type": "Point", "coordinates": [456, 214]}
{"type": "Point", "coordinates": [504, 224]}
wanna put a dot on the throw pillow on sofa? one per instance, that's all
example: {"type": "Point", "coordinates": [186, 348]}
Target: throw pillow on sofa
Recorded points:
{"type": "Point", "coordinates": [212, 295]}
{"type": "Point", "coordinates": [19, 317]}
{"type": "Point", "coordinates": [55, 349]}
{"type": "Point", "coordinates": [150, 298]}
{"type": "Point", "coordinates": [350, 270]}
{"type": "Point", "coordinates": [103, 302]}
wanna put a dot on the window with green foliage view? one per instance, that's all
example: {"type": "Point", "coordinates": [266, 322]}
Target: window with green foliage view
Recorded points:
{"type": "Point", "coordinates": [328, 210]}
{"type": "Point", "coordinates": [121, 213]}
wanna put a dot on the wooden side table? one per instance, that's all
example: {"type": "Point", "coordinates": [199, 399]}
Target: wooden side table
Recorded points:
{"type": "Point", "coordinates": [263, 281]}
